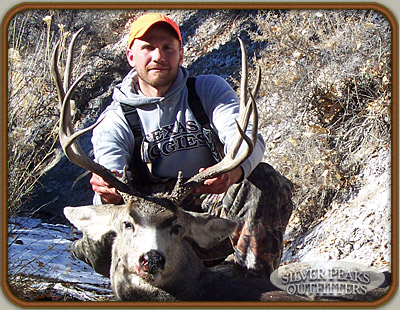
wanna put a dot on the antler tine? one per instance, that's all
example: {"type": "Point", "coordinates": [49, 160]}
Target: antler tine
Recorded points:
{"type": "Point", "coordinates": [63, 90]}
{"type": "Point", "coordinates": [231, 160]}
{"type": "Point", "coordinates": [56, 74]}
{"type": "Point", "coordinates": [65, 93]}
{"type": "Point", "coordinates": [63, 87]}
{"type": "Point", "coordinates": [67, 135]}
{"type": "Point", "coordinates": [69, 63]}
{"type": "Point", "coordinates": [256, 88]}
{"type": "Point", "coordinates": [244, 81]}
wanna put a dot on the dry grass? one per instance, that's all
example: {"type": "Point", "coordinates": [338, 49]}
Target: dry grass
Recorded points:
{"type": "Point", "coordinates": [324, 107]}
{"type": "Point", "coordinates": [32, 113]}
{"type": "Point", "coordinates": [33, 109]}
{"type": "Point", "coordinates": [326, 100]}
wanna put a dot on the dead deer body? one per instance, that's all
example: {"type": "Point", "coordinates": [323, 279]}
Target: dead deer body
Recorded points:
{"type": "Point", "coordinates": [152, 257]}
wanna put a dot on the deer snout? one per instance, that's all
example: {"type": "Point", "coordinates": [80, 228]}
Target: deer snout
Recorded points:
{"type": "Point", "coordinates": [151, 261]}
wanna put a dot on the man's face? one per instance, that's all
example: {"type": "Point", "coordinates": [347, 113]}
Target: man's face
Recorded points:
{"type": "Point", "coordinates": [156, 56]}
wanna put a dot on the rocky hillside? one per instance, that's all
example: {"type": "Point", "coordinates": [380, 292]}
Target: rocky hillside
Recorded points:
{"type": "Point", "coordinates": [325, 108]}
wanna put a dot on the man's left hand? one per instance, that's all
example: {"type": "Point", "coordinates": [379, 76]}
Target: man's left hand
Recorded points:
{"type": "Point", "coordinates": [221, 183]}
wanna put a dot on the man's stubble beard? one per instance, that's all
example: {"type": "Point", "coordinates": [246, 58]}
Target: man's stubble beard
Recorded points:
{"type": "Point", "coordinates": [161, 79]}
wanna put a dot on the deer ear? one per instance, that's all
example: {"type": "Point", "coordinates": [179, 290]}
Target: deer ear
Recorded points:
{"type": "Point", "coordinates": [94, 221]}
{"type": "Point", "coordinates": [207, 230]}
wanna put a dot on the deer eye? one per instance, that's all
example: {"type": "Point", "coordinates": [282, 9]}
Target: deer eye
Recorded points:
{"type": "Point", "coordinates": [128, 225]}
{"type": "Point", "coordinates": [176, 229]}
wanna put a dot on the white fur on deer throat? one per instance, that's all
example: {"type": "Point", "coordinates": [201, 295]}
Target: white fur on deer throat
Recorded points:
{"type": "Point", "coordinates": [251, 260]}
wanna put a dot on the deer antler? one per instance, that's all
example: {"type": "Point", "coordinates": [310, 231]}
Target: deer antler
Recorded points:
{"type": "Point", "coordinates": [67, 135]}
{"type": "Point", "coordinates": [68, 138]}
{"type": "Point", "coordinates": [231, 160]}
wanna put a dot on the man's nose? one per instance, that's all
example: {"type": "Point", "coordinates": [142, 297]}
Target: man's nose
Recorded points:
{"type": "Point", "coordinates": [157, 54]}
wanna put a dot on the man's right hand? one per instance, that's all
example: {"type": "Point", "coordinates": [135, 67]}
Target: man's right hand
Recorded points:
{"type": "Point", "coordinates": [108, 194]}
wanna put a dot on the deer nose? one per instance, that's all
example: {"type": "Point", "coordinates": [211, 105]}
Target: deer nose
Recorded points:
{"type": "Point", "coordinates": [151, 261]}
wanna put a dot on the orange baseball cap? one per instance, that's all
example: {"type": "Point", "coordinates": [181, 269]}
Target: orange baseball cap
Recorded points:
{"type": "Point", "coordinates": [144, 22]}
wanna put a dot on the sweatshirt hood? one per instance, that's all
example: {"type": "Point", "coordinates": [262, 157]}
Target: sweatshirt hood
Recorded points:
{"type": "Point", "coordinates": [128, 91]}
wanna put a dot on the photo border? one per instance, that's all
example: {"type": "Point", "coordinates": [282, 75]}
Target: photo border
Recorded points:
{"type": "Point", "coordinates": [185, 6]}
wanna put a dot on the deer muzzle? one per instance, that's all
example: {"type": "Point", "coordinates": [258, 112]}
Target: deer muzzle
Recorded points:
{"type": "Point", "coordinates": [151, 262]}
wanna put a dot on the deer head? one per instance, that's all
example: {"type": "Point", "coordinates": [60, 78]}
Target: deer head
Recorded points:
{"type": "Point", "coordinates": [153, 233]}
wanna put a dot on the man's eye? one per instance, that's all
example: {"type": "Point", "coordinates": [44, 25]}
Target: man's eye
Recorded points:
{"type": "Point", "coordinates": [176, 229]}
{"type": "Point", "coordinates": [128, 225]}
{"type": "Point", "coordinates": [148, 47]}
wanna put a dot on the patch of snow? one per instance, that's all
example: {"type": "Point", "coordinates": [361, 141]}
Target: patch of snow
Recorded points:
{"type": "Point", "coordinates": [41, 249]}
{"type": "Point", "coordinates": [89, 292]}
{"type": "Point", "coordinates": [358, 230]}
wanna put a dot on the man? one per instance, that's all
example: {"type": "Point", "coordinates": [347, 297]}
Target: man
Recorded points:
{"type": "Point", "coordinates": [157, 86]}
{"type": "Point", "coordinates": [174, 141]}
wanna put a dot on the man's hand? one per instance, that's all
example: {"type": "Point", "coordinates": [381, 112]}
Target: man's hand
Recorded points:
{"type": "Point", "coordinates": [221, 183]}
{"type": "Point", "coordinates": [107, 193]}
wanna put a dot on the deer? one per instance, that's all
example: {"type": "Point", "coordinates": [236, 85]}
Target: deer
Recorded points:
{"type": "Point", "coordinates": [152, 256]}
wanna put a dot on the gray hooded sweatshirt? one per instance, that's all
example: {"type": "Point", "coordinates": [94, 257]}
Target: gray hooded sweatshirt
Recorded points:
{"type": "Point", "coordinates": [174, 140]}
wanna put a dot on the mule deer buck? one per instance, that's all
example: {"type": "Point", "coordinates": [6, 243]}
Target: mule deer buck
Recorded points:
{"type": "Point", "coordinates": [152, 258]}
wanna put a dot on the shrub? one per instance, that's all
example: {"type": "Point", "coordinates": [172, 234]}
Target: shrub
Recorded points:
{"type": "Point", "coordinates": [33, 109]}
{"type": "Point", "coordinates": [326, 100]}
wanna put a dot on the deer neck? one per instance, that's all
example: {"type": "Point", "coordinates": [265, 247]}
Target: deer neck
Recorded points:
{"type": "Point", "coordinates": [190, 280]}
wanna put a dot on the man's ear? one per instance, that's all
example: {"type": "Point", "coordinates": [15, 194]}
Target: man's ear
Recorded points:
{"type": "Point", "coordinates": [206, 230]}
{"type": "Point", "coordinates": [181, 57]}
{"type": "Point", "coordinates": [130, 57]}
{"type": "Point", "coordinates": [94, 221]}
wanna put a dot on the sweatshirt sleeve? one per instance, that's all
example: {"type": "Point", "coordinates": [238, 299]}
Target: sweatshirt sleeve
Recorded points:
{"type": "Point", "coordinates": [113, 142]}
{"type": "Point", "coordinates": [222, 106]}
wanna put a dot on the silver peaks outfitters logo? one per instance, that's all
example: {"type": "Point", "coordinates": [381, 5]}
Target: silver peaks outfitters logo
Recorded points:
{"type": "Point", "coordinates": [331, 278]}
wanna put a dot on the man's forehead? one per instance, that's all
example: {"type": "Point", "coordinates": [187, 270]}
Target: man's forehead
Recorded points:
{"type": "Point", "coordinates": [160, 32]}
